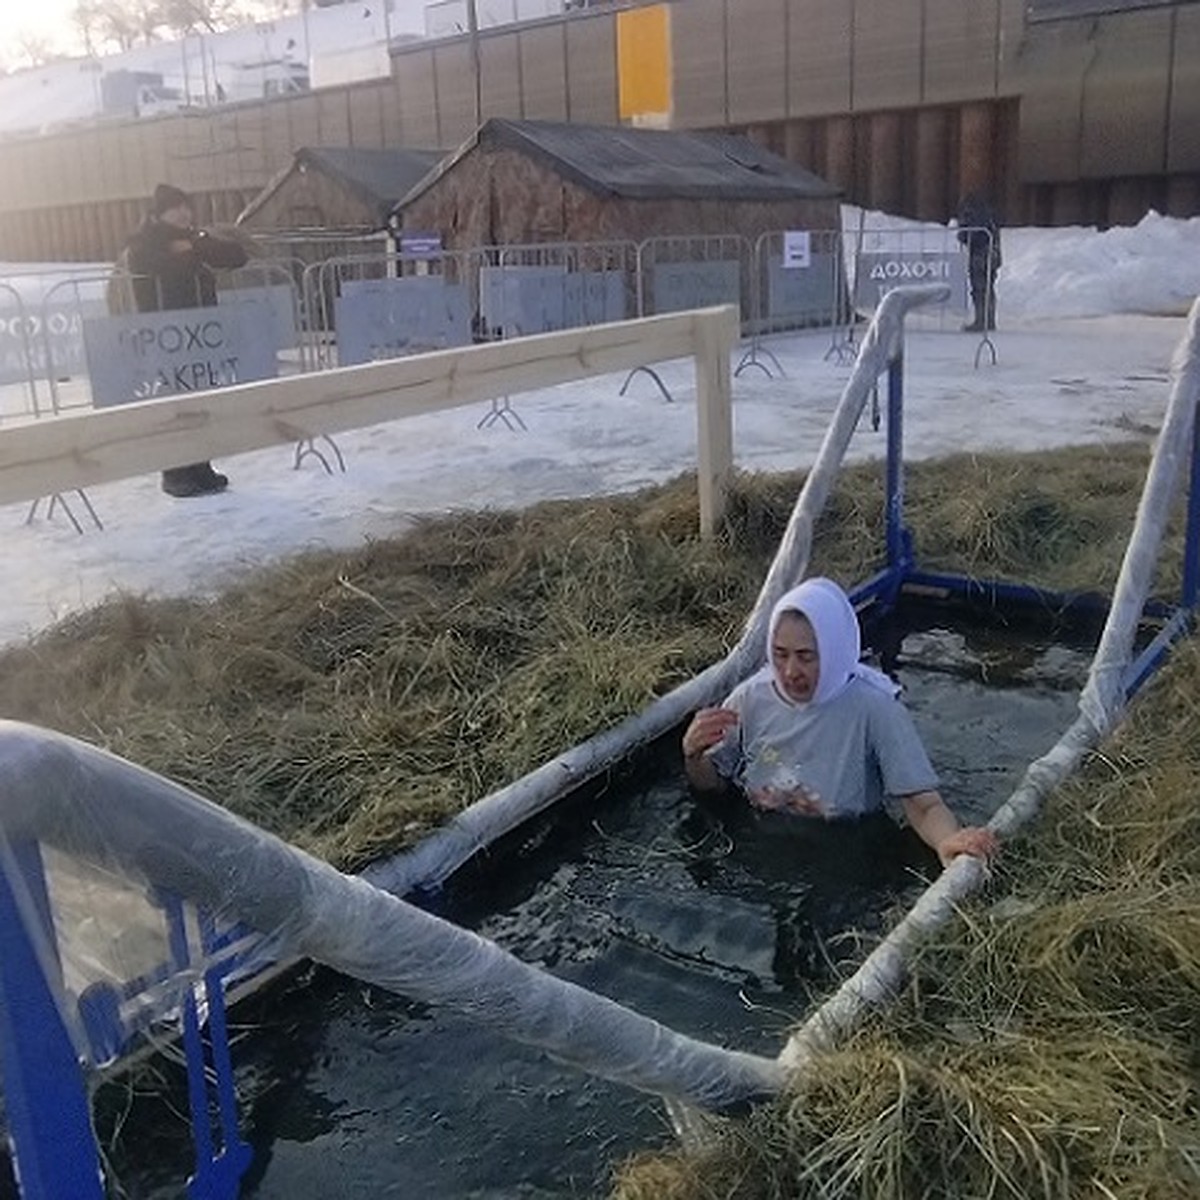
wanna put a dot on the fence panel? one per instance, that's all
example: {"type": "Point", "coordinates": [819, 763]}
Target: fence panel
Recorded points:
{"type": "Point", "coordinates": [409, 314]}
{"type": "Point", "coordinates": [370, 307]}
{"type": "Point", "coordinates": [680, 273]}
{"type": "Point", "coordinates": [18, 373]}
{"type": "Point", "coordinates": [271, 283]}
{"type": "Point", "coordinates": [884, 258]}
{"type": "Point", "coordinates": [545, 288]}
{"type": "Point", "coordinates": [41, 333]}
{"type": "Point", "coordinates": [800, 281]}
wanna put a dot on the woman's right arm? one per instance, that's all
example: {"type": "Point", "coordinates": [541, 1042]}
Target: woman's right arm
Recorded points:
{"type": "Point", "coordinates": [708, 727]}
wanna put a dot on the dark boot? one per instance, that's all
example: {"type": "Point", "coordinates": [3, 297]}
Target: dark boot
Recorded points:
{"type": "Point", "coordinates": [214, 481]}
{"type": "Point", "coordinates": [196, 479]}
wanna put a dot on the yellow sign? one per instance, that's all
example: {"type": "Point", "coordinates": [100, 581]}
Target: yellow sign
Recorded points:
{"type": "Point", "coordinates": [644, 64]}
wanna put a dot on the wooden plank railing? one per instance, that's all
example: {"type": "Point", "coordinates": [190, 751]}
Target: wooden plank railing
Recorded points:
{"type": "Point", "coordinates": [77, 450]}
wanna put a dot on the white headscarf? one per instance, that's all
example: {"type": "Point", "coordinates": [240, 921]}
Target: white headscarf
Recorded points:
{"type": "Point", "coordinates": [839, 642]}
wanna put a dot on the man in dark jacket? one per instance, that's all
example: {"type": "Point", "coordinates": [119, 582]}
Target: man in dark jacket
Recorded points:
{"type": "Point", "coordinates": [171, 264]}
{"type": "Point", "coordinates": [978, 231]}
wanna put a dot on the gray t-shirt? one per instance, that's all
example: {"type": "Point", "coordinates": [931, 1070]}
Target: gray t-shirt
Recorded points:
{"type": "Point", "coordinates": [854, 752]}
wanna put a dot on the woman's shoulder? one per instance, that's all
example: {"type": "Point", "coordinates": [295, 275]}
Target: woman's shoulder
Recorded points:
{"type": "Point", "coordinates": [868, 696]}
{"type": "Point", "coordinates": [753, 687]}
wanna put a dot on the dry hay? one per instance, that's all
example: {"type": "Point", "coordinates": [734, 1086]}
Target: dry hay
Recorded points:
{"type": "Point", "coordinates": [350, 701]}
{"type": "Point", "coordinates": [1046, 1046]}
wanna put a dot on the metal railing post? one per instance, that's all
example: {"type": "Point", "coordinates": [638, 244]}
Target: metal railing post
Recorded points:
{"type": "Point", "coordinates": [899, 540]}
{"type": "Point", "coordinates": [1191, 548]}
{"type": "Point", "coordinates": [49, 1119]}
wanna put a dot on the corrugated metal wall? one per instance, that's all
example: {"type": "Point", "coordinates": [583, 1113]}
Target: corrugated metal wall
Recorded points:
{"type": "Point", "coordinates": [903, 103]}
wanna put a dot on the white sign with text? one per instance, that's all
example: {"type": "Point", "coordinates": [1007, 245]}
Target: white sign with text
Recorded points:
{"type": "Point", "coordinates": [146, 355]}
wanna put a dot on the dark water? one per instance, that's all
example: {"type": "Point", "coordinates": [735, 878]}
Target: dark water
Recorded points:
{"type": "Point", "coordinates": [700, 916]}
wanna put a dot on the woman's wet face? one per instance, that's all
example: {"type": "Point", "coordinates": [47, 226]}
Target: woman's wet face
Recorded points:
{"type": "Point", "coordinates": [794, 657]}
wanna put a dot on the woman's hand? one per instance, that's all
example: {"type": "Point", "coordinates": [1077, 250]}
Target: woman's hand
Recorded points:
{"type": "Point", "coordinates": [974, 840]}
{"type": "Point", "coordinates": [708, 727]}
{"type": "Point", "coordinates": [802, 801]}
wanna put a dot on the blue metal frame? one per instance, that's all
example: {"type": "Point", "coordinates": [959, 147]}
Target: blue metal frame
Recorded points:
{"type": "Point", "coordinates": [49, 1119]}
{"type": "Point", "coordinates": [45, 1090]}
{"type": "Point", "coordinates": [901, 571]}
{"type": "Point", "coordinates": [221, 1161]}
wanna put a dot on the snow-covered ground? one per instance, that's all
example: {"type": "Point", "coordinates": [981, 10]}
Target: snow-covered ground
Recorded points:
{"type": "Point", "coordinates": [1088, 324]}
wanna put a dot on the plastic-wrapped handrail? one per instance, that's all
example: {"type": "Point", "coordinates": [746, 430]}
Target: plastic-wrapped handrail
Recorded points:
{"type": "Point", "coordinates": [443, 852]}
{"type": "Point", "coordinates": [98, 808]}
{"type": "Point", "coordinates": [1101, 704]}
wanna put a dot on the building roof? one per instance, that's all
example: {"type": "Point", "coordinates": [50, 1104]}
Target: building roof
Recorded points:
{"type": "Point", "coordinates": [378, 178]}
{"type": "Point", "coordinates": [645, 164]}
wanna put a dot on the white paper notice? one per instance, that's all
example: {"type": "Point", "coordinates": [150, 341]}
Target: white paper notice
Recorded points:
{"type": "Point", "coordinates": [797, 248]}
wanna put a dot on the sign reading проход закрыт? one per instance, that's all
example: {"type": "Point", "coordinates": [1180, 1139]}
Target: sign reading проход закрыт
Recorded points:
{"type": "Point", "coordinates": [145, 356]}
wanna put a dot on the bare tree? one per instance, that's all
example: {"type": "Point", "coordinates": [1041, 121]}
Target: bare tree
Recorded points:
{"type": "Point", "coordinates": [125, 23]}
{"type": "Point", "coordinates": [202, 16]}
{"type": "Point", "coordinates": [86, 18]}
{"type": "Point", "coordinates": [34, 48]}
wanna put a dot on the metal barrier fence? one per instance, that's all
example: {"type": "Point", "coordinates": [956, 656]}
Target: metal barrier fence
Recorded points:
{"type": "Point", "coordinates": [370, 307]}
{"type": "Point", "coordinates": [886, 257]}
{"type": "Point", "coordinates": [543, 288]}
{"type": "Point", "coordinates": [46, 320]}
{"type": "Point", "coordinates": [800, 281]}
{"type": "Point", "coordinates": [363, 303]}
{"type": "Point", "coordinates": [17, 359]}
{"type": "Point", "coordinates": [42, 336]}
{"type": "Point", "coordinates": [678, 273]}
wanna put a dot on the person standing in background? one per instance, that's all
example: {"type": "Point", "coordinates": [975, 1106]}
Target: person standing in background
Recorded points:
{"type": "Point", "coordinates": [170, 264]}
{"type": "Point", "coordinates": [980, 234]}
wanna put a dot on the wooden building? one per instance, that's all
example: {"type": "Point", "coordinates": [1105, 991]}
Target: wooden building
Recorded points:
{"type": "Point", "coordinates": [337, 190]}
{"type": "Point", "coordinates": [521, 182]}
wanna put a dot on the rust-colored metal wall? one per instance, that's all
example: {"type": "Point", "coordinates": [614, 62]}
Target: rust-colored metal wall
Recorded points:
{"type": "Point", "coordinates": [903, 103]}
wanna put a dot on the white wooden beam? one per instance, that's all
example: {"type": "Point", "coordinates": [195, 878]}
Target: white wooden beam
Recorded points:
{"type": "Point", "coordinates": [41, 457]}
{"type": "Point", "coordinates": [717, 334]}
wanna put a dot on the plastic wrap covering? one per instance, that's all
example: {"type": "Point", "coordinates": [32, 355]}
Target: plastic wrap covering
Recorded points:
{"type": "Point", "coordinates": [439, 855]}
{"type": "Point", "coordinates": [113, 820]}
{"type": "Point", "coordinates": [1104, 694]}
{"type": "Point", "coordinates": [1100, 706]}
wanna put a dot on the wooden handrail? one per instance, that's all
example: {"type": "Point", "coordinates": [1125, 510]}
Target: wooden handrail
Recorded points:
{"type": "Point", "coordinates": [76, 450]}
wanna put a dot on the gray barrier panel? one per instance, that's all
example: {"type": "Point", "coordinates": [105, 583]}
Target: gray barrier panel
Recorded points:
{"type": "Point", "coordinates": [803, 293]}
{"type": "Point", "coordinates": [683, 285]}
{"type": "Point", "coordinates": [145, 355]}
{"type": "Point", "coordinates": [515, 300]}
{"type": "Point", "coordinates": [24, 335]}
{"type": "Point", "coordinates": [879, 271]}
{"type": "Point", "coordinates": [279, 300]}
{"type": "Point", "coordinates": [387, 318]}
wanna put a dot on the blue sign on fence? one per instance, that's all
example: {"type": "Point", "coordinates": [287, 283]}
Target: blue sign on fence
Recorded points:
{"type": "Point", "coordinates": [421, 245]}
{"type": "Point", "coordinates": [805, 296]}
{"type": "Point", "coordinates": [279, 299]}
